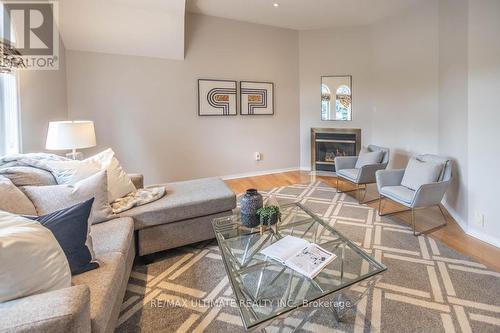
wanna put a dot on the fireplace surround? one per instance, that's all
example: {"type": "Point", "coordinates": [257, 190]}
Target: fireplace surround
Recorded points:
{"type": "Point", "coordinates": [328, 143]}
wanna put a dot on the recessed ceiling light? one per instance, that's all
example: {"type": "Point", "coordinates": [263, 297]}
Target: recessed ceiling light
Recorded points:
{"type": "Point", "coordinates": [276, 4]}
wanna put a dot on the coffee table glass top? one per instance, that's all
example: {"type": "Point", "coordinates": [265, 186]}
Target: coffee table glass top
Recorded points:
{"type": "Point", "coordinates": [265, 288]}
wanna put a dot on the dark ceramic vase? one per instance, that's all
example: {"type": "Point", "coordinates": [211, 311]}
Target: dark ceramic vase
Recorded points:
{"type": "Point", "coordinates": [249, 204]}
{"type": "Point", "coordinates": [271, 220]}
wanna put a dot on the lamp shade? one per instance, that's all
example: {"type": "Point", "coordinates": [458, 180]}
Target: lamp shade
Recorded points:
{"type": "Point", "coordinates": [63, 135]}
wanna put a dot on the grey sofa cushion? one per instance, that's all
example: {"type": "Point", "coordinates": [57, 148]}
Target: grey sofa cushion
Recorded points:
{"type": "Point", "coordinates": [63, 310]}
{"type": "Point", "coordinates": [185, 200]}
{"type": "Point", "coordinates": [28, 176]}
{"type": "Point", "coordinates": [12, 200]}
{"type": "Point", "coordinates": [351, 174]}
{"type": "Point", "coordinates": [400, 193]}
{"type": "Point", "coordinates": [420, 172]}
{"type": "Point", "coordinates": [367, 158]}
{"type": "Point", "coordinates": [104, 284]}
{"type": "Point", "coordinates": [113, 236]}
{"type": "Point", "coordinates": [48, 199]}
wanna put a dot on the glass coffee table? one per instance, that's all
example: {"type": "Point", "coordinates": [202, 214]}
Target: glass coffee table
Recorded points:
{"type": "Point", "coordinates": [267, 292]}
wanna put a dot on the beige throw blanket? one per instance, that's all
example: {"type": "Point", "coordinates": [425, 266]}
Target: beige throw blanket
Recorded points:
{"type": "Point", "coordinates": [137, 198]}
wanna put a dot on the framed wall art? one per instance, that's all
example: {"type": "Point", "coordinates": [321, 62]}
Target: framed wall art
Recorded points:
{"type": "Point", "coordinates": [256, 98]}
{"type": "Point", "coordinates": [217, 97]}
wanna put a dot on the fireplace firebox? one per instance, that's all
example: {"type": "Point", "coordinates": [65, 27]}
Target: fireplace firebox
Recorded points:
{"type": "Point", "coordinates": [328, 143]}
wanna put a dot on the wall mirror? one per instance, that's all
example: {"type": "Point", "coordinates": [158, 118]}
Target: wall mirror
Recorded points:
{"type": "Point", "coordinates": [336, 97]}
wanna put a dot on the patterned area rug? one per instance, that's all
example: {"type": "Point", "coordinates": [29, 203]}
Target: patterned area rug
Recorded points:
{"type": "Point", "coordinates": [428, 287]}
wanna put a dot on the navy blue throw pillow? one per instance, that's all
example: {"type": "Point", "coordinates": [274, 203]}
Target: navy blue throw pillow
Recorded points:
{"type": "Point", "coordinates": [70, 228]}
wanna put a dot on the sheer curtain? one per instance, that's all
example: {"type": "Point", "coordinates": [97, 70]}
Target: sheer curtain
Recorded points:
{"type": "Point", "coordinates": [9, 114]}
{"type": "Point", "coordinates": [9, 108]}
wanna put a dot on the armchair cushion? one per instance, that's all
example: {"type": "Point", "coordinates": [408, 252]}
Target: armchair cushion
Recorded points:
{"type": "Point", "coordinates": [351, 174]}
{"type": "Point", "coordinates": [420, 172]}
{"type": "Point", "coordinates": [345, 162]}
{"type": "Point", "coordinates": [401, 193]}
{"type": "Point", "coordinates": [367, 158]}
{"type": "Point", "coordinates": [388, 177]}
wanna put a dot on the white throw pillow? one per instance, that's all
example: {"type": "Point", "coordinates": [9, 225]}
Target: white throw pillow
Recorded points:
{"type": "Point", "coordinates": [31, 259]}
{"type": "Point", "coordinates": [367, 158]}
{"type": "Point", "coordinates": [119, 183]}
{"type": "Point", "coordinates": [48, 199]}
{"type": "Point", "coordinates": [70, 172]}
{"type": "Point", "coordinates": [418, 173]}
{"type": "Point", "coordinates": [13, 200]}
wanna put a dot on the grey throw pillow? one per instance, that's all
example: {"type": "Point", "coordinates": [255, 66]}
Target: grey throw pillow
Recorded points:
{"type": "Point", "coordinates": [14, 201]}
{"type": "Point", "coordinates": [367, 158]}
{"type": "Point", "coordinates": [28, 176]}
{"type": "Point", "coordinates": [418, 173]}
{"type": "Point", "coordinates": [48, 199]}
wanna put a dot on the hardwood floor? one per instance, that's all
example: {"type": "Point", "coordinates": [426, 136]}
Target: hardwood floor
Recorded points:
{"type": "Point", "coordinates": [451, 235]}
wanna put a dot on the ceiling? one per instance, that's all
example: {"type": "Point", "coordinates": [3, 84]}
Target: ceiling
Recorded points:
{"type": "Point", "coordinates": [152, 28]}
{"type": "Point", "coordinates": [302, 14]}
{"type": "Point", "coordinates": [155, 28]}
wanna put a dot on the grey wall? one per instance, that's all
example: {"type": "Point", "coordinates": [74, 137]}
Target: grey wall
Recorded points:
{"type": "Point", "coordinates": [453, 90]}
{"type": "Point", "coordinates": [146, 109]}
{"type": "Point", "coordinates": [484, 118]}
{"type": "Point", "coordinates": [394, 64]}
{"type": "Point", "coordinates": [405, 83]}
{"type": "Point", "coordinates": [42, 99]}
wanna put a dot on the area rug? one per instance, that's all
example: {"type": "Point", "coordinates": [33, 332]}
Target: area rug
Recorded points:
{"type": "Point", "coordinates": [428, 287]}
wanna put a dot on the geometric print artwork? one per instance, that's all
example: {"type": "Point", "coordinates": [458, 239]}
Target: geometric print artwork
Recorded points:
{"type": "Point", "coordinates": [256, 98]}
{"type": "Point", "coordinates": [216, 98]}
{"type": "Point", "coordinates": [427, 287]}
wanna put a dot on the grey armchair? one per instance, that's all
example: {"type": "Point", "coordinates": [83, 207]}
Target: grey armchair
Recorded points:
{"type": "Point", "coordinates": [427, 195]}
{"type": "Point", "coordinates": [345, 167]}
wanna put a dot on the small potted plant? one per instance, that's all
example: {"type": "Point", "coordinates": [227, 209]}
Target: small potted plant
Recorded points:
{"type": "Point", "coordinates": [269, 215]}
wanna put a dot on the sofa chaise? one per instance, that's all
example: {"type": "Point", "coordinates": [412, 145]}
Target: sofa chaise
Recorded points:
{"type": "Point", "coordinates": [92, 303]}
{"type": "Point", "coordinates": [184, 216]}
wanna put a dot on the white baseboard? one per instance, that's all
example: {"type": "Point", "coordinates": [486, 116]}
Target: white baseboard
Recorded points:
{"type": "Point", "coordinates": [305, 168]}
{"type": "Point", "coordinates": [259, 173]}
{"type": "Point", "coordinates": [473, 232]}
{"type": "Point", "coordinates": [492, 240]}
{"type": "Point", "coordinates": [461, 223]}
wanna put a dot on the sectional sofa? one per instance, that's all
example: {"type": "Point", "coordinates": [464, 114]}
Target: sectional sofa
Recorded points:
{"type": "Point", "coordinates": [92, 303]}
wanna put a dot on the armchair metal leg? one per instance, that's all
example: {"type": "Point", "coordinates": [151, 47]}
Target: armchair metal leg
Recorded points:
{"type": "Point", "coordinates": [415, 233]}
{"type": "Point", "coordinates": [390, 213]}
{"type": "Point", "coordinates": [413, 218]}
{"type": "Point", "coordinates": [362, 201]}
{"type": "Point", "coordinates": [380, 197]}
{"type": "Point", "coordinates": [340, 191]}
{"type": "Point", "coordinates": [358, 190]}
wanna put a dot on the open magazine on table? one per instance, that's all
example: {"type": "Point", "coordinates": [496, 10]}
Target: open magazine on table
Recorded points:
{"type": "Point", "coordinates": [300, 255]}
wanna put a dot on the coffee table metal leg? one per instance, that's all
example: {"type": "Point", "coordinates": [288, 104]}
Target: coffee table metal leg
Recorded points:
{"type": "Point", "coordinates": [353, 302]}
{"type": "Point", "coordinates": [338, 314]}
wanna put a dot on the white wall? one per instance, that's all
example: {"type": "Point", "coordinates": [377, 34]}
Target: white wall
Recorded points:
{"type": "Point", "coordinates": [42, 99]}
{"type": "Point", "coordinates": [405, 83]}
{"type": "Point", "coordinates": [146, 109]}
{"type": "Point", "coordinates": [453, 89]}
{"type": "Point", "coordinates": [484, 118]}
{"type": "Point", "coordinates": [394, 64]}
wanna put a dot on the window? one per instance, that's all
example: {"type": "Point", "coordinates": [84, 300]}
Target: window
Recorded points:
{"type": "Point", "coordinates": [9, 112]}
{"type": "Point", "coordinates": [9, 115]}
{"type": "Point", "coordinates": [343, 103]}
{"type": "Point", "coordinates": [325, 101]}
